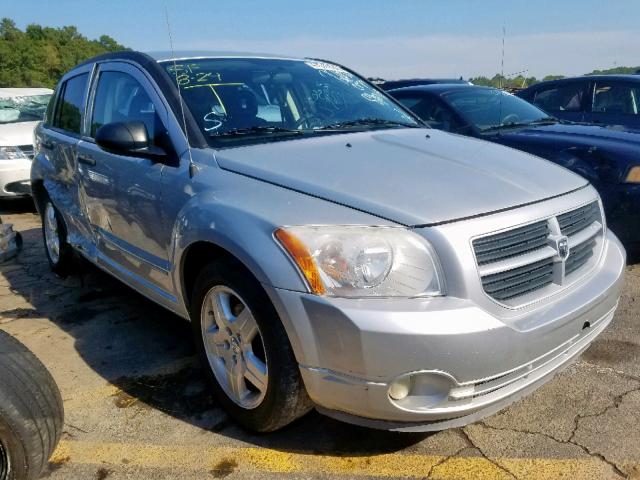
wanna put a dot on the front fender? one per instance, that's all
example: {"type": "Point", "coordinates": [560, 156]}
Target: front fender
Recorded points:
{"type": "Point", "coordinates": [245, 234]}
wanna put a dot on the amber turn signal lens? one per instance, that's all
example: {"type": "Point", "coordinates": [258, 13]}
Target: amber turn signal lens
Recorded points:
{"type": "Point", "coordinates": [300, 254]}
{"type": "Point", "coordinates": [634, 175]}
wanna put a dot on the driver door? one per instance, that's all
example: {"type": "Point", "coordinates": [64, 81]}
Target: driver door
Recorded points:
{"type": "Point", "coordinates": [121, 194]}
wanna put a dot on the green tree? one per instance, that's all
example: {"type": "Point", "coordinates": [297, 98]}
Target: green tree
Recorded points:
{"type": "Point", "coordinates": [39, 56]}
{"type": "Point", "coordinates": [616, 70]}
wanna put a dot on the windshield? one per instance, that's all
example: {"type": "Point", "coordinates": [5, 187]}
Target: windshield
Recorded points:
{"type": "Point", "coordinates": [238, 99]}
{"type": "Point", "coordinates": [490, 109]}
{"type": "Point", "coordinates": [29, 108]}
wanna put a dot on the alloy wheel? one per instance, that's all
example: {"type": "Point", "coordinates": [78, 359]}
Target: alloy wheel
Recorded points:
{"type": "Point", "coordinates": [51, 233]}
{"type": "Point", "coordinates": [234, 347]}
{"type": "Point", "coordinates": [5, 466]}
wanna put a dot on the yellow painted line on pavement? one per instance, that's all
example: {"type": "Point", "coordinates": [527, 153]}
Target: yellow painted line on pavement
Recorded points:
{"type": "Point", "coordinates": [254, 459]}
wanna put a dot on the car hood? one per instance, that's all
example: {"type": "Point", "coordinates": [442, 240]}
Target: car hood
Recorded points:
{"type": "Point", "coordinates": [409, 176]}
{"type": "Point", "coordinates": [592, 135]}
{"type": "Point", "coordinates": [20, 133]}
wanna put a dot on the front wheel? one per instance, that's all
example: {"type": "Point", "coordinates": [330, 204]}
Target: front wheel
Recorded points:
{"type": "Point", "coordinates": [244, 346]}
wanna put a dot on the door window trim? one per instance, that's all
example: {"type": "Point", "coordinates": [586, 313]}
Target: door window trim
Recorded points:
{"type": "Point", "coordinates": [60, 91]}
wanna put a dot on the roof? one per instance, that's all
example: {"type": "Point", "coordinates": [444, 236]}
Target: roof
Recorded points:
{"type": "Point", "coordinates": [618, 76]}
{"type": "Point", "coordinates": [23, 92]}
{"type": "Point", "coordinates": [440, 88]}
{"type": "Point", "coordinates": [161, 56]}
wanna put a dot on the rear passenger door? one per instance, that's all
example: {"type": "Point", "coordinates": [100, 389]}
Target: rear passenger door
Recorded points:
{"type": "Point", "coordinates": [615, 103]}
{"type": "Point", "coordinates": [121, 193]}
{"type": "Point", "coordinates": [60, 138]}
{"type": "Point", "coordinates": [564, 100]}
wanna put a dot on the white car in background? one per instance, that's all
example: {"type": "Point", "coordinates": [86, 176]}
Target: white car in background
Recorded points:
{"type": "Point", "coordinates": [20, 110]}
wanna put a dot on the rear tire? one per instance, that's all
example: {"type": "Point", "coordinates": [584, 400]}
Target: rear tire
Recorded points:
{"type": "Point", "coordinates": [261, 402]}
{"type": "Point", "coordinates": [31, 412]}
{"type": "Point", "coordinates": [54, 233]}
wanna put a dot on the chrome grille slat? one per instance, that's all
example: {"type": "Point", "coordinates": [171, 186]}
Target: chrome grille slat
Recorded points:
{"type": "Point", "coordinates": [512, 243]}
{"type": "Point", "coordinates": [517, 262]}
{"type": "Point", "coordinates": [513, 275]}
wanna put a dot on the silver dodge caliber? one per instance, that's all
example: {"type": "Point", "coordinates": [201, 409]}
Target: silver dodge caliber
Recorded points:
{"type": "Point", "coordinates": [329, 249]}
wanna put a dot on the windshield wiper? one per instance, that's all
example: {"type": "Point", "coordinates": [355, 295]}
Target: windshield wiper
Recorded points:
{"type": "Point", "coordinates": [258, 130]}
{"type": "Point", "coordinates": [540, 121]}
{"type": "Point", "coordinates": [365, 122]}
{"type": "Point", "coordinates": [545, 121]}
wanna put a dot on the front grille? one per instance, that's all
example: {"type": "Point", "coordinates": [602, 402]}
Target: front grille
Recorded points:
{"type": "Point", "coordinates": [521, 280]}
{"type": "Point", "coordinates": [512, 243]}
{"type": "Point", "coordinates": [27, 150]}
{"type": "Point", "coordinates": [577, 220]}
{"type": "Point", "coordinates": [521, 261]}
{"type": "Point", "coordinates": [579, 256]}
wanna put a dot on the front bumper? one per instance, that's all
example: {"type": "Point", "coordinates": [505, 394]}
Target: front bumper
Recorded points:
{"type": "Point", "coordinates": [15, 178]}
{"type": "Point", "coordinates": [351, 351]}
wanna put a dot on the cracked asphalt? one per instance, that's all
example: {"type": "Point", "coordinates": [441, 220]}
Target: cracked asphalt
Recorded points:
{"type": "Point", "coordinates": [137, 407]}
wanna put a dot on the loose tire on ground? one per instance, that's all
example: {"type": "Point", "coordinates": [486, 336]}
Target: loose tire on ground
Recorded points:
{"type": "Point", "coordinates": [31, 412]}
{"type": "Point", "coordinates": [285, 399]}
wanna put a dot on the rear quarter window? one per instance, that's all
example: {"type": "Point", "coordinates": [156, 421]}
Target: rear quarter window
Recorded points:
{"type": "Point", "coordinates": [69, 110]}
{"type": "Point", "coordinates": [48, 116]}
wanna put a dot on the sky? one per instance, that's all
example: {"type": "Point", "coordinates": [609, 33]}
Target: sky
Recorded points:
{"type": "Point", "coordinates": [380, 38]}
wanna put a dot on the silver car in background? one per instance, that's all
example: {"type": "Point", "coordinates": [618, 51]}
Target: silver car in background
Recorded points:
{"type": "Point", "coordinates": [20, 111]}
{"type": "Point", "coordinates": [329, 250]}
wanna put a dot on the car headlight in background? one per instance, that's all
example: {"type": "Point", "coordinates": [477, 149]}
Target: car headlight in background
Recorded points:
{"type": "Point", "coordinates": [354, 261]}
{"type": "Point", "coordinates": [634, 175]}
{"type": "Point", "coordinates": [12, 153]}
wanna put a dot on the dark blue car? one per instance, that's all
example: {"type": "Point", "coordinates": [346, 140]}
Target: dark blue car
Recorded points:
{"type": "Point", "coordinates": [609, 158]}
{"type": "Point", "coordinates": [601, 99]}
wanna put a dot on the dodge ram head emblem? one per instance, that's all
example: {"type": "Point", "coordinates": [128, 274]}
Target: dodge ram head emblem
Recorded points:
{"type": "Point", "coordinates": [563, 248]}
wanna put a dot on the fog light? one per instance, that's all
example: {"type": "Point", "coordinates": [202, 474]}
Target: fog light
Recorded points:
{"type": "Point", "coordinates": [420, 391]}
{"type": "Point", "coordinates": [400, 388]}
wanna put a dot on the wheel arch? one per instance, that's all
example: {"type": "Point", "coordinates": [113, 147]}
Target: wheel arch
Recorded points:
{"type": "Point", "coordinates": [199, 253]}
{"type": "Point", "coordinates": [193, 260]}
{"type": "Point", "coordinates": [38, 193]}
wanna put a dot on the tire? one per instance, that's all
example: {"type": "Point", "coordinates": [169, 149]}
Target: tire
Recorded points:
{"type": "Point", "coordinates": [31, 412]}
{"type": "Point", "coordinates": [265, 406]}
{"type": "Point", "coordinates": [54, 235]}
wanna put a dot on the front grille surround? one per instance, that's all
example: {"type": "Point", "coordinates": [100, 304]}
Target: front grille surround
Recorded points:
{"type": "Point", "coordinates": [522, 264]}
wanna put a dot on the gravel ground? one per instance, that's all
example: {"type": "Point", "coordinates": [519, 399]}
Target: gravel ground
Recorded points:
{"type": "Point", "coordinates": [137, 407]}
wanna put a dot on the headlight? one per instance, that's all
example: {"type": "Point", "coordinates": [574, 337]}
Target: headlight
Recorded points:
{"type": "Point", "coordinates": [353, 261]}
{"type": "Point", "coordinates": [634, 175]}
{"type": "Point", "coordinates": [11, 153]}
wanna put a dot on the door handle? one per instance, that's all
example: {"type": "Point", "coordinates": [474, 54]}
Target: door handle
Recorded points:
{"type": "Point", "coordinates": [87, 160]}
{"type": "Point", "coordinates": [47, 144]}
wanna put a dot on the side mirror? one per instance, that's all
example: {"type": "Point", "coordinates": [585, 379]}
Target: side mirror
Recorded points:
{"type": "Point", "coordinates": [128, 138]}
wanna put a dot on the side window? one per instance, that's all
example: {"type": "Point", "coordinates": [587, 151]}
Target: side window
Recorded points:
{"type": "Point", "coordinates": [616, 97]}
{"type": "Point", "coordinates": [566, 97]}
{"type": "Point", "coordinates": [48, 116]}
{"type": "Point", "coordinates": [69, 110]}
{"type": "Point", "coordinates": [432, 112]}
{"type": "Point", "coordinates": [120, 98]}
